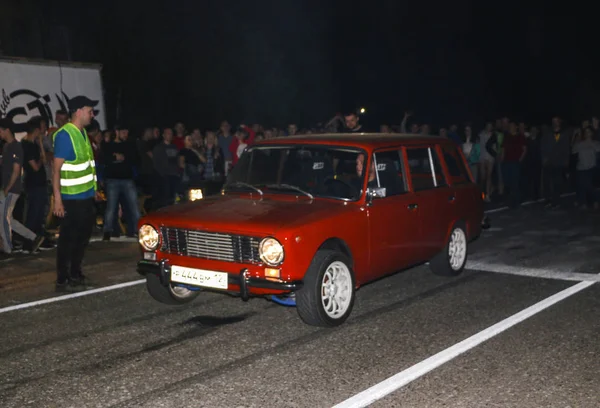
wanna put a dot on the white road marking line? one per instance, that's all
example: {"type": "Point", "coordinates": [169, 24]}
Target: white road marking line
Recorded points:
{"type": "Point", "coordinates": [532, 272]}
{"type": "Point", "coordinates": [495, 210]}
{"type": "Point", "coordinates": [418, 370]}
{"type": "Point", "coordinates": [71, 296]}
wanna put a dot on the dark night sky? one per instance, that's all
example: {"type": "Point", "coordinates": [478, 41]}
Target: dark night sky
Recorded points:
{"type": "Point", "coordinates": [291, 60]}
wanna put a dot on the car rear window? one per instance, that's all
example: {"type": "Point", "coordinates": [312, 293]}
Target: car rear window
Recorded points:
{"type": "Point", "coordinates": [425, 173]}
{"type": "Point", "coordinates": [456, 166]}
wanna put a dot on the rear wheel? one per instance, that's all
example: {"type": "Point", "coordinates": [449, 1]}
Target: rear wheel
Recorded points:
{"type": "Point", "coordinates": [169, 295]}
{"type": "Point", "coordinates": [327, 297]}
{"type": "Point", "coordinates": [452, 259]}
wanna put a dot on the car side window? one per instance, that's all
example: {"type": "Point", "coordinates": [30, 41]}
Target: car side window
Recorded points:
{"type": "Point", "coordinates": [456, 166]}
{"type": "Point", "coordinates": [390, 172]}
{"type": "Point", "coordinates": [425, 169]}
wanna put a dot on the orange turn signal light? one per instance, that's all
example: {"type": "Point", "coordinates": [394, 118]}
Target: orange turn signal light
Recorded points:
{"type": "Point", "coordinates": [272, 273]}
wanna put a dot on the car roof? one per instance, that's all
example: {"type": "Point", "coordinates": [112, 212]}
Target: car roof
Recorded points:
{"type": "Point", "coordinates": [365, 141]}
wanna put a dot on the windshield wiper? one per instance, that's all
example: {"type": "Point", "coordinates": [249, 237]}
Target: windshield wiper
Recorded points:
{"type": "Point", "coordinates": [290, 187]}
{"type": "Point", "coordinates": [242, 184]}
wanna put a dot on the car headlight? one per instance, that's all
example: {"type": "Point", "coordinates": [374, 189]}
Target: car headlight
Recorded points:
{"type": "Point", "coordinates": [270, 251]}
{"type": "Point", "coordinates": [195, 194]}
{"type": "Point", "coordinates": [148, 237]}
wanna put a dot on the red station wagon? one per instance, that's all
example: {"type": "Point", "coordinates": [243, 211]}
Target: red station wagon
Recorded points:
{"type": "Point", "coordinates": [307, 220]}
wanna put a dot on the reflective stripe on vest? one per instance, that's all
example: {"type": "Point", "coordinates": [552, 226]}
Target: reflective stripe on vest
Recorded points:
{"type": "Point", "coordinates": [77, 167]}
{"type": "Point", "coordinates": [79, 175]}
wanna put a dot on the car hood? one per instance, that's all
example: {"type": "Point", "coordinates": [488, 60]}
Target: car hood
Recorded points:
{"type": "Point", "coordinates": [244, 215]}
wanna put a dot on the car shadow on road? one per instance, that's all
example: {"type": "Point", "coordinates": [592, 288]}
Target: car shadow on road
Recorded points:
{"type": "Point", "coordinates": [200, 326]}
{"type": "Point", "coordinates": [213, 321]}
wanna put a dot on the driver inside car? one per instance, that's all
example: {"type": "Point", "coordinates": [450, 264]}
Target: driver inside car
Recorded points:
{"type": "Point", "coordinates": [360, 165]}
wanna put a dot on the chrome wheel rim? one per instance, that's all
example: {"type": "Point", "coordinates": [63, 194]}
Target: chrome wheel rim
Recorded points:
{"type": "Point", "coordinates": [181, 292]}
{"type": "Point", "coordinates": [336, 290]}
{"type": "Point", "coordinates": [457, 249]}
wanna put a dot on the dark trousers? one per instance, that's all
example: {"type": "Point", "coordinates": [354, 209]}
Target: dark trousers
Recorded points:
{"type": "Point", "coordinates": [166, 190]}
{"type": "Point", "coordinates": [585, 186]}
{"type": "Point", "coordinates": [512, 177]}
{"type": "Point", "coordinates": [531, 177]}
{"type": "Point", "coordinates": [146, 183]}
{"type": "Point", "coordinates": [75, 232]}
{"type": "Point", "coordinates": [116, 190]}
{"type": "Point", "coordinates": [37, 202]}
{"type": "Point", "coordinates": [553, 183]}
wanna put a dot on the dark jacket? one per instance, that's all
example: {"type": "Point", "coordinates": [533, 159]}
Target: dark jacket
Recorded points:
{"type": "Point", "coordinates": [119, 169]}
{"type": "Point", "coordinates": [533, 158]}
{"type": "Point", "coordinates": [492, 145]}
{"type": "Point", "coordinates": [556, 153]}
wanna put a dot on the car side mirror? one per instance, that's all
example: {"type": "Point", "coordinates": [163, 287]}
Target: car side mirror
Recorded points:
{"type": "Point", "coordinates": [376, 192]}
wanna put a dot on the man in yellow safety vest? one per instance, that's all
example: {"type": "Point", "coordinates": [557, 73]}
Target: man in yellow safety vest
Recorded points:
{"type": "Point", "coordinates": [74, 186]}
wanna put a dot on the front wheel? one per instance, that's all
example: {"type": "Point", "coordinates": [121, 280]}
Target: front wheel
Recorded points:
{"type": "Point", "coordinates": [327, 297]}
{"type": "Point", "coordinates": [169, 295]}
{"type": "Point", "coordinates": [452, 259]}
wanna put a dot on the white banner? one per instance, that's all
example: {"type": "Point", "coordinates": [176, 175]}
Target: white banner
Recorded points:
{"type": "Point", "coordinates": [29, 89]}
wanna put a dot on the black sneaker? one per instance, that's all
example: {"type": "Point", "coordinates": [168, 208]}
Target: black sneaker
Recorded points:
{"type": "Point", "coordinates": [35, 244]}
{"type": "Point", "coordinates": [80, 282]}
{"type": "Point", "coordinates": [106, 236]}
{"type": "Point", "coordinates": [62, 286]}
{"type": "Point", "coordinates": [47, 245]}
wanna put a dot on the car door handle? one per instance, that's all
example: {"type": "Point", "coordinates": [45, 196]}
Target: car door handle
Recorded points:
{"type": "Point", "coordinates": [451, 198]}
{"type": "Point", "coordinates": [412, 206]}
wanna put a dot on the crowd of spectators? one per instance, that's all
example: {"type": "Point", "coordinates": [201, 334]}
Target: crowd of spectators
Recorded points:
{"type": "Point", "coordinates": [511, 161]}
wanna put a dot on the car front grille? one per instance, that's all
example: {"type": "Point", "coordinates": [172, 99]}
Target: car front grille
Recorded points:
{"type": "Point", "coordinates": [210, 245]}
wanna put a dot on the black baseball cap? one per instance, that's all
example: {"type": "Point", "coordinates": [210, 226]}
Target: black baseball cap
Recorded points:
{"type": "Point", "coordinates": [6, 123]}
{"type": "Point", "coordinates": [79, 102]}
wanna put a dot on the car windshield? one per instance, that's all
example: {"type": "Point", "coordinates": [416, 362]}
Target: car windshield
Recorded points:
{"type": "Point", "coordinates": [309, 170]}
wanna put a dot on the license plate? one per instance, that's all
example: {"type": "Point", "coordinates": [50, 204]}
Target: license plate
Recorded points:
{"type": "Point", "coordinates": [199, 277]}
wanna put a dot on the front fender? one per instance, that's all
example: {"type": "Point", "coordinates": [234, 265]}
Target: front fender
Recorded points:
{"type": "Point", "coordinates": [351, 231]}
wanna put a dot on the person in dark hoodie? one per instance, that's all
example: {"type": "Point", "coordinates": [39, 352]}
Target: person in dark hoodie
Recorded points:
{"type": "Point", "coordinates": [120, 158]}
{"type": "Point", "coordinates": [167, 171]}
{"type": "Point", "coordinates": [555, 160]}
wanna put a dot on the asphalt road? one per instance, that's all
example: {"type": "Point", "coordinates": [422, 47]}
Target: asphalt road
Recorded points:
{"type": "Point", "coordinates": [119, 348]}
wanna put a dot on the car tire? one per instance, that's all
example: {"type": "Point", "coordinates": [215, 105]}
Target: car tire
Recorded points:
{"type": "Point", "coordinates": [452, 259]}
{"type": "Point", "coordinates": [330, 272]}
{"type": "Point", "coordinates": [168, 295]}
